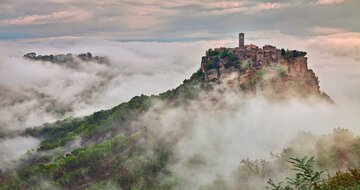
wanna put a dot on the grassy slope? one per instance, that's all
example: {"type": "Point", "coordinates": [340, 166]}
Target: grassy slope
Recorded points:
{"type": "Point", "coordinates": [113, 153]}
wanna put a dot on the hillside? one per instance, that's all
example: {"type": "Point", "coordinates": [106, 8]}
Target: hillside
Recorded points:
{"type": "Point", "coordinates": [120, 147]}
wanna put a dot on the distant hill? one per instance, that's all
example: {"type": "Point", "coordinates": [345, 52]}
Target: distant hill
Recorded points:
{"type": "Point", "coordinates": [67, 58]}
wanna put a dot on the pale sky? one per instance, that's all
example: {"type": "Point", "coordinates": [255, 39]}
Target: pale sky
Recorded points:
{"type": "Point", "coordinates": [177, 20]}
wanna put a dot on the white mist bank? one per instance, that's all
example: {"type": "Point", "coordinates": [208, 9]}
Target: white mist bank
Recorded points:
{"type": "Point", "coordinates": [32, 93]}
{"type": "Point", "coordinates": [12, 148]}
{"type": "Point", "coordinates": [221, 129]}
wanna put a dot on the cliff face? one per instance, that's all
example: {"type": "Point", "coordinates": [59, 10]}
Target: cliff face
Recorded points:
{"type": "Point", "coordinates": [270, 71]}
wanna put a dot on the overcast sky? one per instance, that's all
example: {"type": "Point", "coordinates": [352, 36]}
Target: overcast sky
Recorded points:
{"type": "Point", "coordinates": [177, 20]}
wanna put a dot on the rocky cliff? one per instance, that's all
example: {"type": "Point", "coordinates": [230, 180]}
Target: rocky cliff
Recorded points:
{"type": "Point", "coordinates": [270, 71]}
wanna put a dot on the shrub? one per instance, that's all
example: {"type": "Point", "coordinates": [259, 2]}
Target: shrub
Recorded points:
{"type": "Point", "coordinates": [344, 180]}
{"type": "Point", "coordinates": [306, 178]}
{"type": "Point", "coordinates": [283, 52]}
{"type": "Point", "coordinates": [291, 54]}
{"type": "Point", "coordinates": [211, 64]}
{"type": "Point", "coordinates": [211, 53]}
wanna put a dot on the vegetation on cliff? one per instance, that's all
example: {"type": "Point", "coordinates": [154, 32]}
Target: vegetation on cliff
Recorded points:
{"type": "Point", "coordinates": [291, 54]}
{"type": "Point", "coordinates": [215, 57]}
{"type": "Point", "coordinates": [67, 58]}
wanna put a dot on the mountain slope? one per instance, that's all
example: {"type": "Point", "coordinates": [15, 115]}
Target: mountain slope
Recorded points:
{"type": "Point", "coordinates": [117, 148]}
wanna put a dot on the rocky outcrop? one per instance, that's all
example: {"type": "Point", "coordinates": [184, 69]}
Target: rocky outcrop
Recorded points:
{"type": "Point", "coordinates": [273, 72]}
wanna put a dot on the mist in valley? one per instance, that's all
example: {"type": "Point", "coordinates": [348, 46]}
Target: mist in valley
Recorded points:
{"type": "Point", "coordinates": [210, 135]}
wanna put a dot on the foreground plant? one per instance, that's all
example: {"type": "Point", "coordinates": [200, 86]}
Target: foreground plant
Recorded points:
{"type": "Point", "coordinates": [306, 178]}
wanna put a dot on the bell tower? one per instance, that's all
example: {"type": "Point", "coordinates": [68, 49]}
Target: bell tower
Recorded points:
{"type": "Point", "coordinates": [241, 40]}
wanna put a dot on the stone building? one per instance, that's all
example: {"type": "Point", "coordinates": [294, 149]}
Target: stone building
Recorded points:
{"type": "Point", "coordinates": [267, 55]}
{"type": "Point", "coordinates": [241, 40]}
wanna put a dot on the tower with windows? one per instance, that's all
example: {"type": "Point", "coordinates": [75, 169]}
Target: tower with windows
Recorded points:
{"type": "Point", "coordinates": [241, 40]}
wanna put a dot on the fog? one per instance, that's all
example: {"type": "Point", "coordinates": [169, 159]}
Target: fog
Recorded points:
{"type": "Point", "coordinates": [218, 130]}
{"type": "Point", "coordinates": [223, 132]}
{"type": "Point", "coordinates": [13, 148]}
{"type": "Point", "coordinates": [36, 92]}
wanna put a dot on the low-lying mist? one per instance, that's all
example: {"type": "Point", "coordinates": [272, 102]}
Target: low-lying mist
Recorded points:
{"type": "Point", "coordinates": [35, 92]}
{"type": "Point", "coordinates": [209, 135]}
{"type": "Point", "coordinates": [13, 148]}
{"type": "Point", "coordinates": [212, 134]}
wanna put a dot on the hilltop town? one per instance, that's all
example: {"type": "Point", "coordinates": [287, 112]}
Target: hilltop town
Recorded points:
{"type": "Point", "coordinates": [250, 56]}
{"type": "Point", "coordinates": [274, 71]}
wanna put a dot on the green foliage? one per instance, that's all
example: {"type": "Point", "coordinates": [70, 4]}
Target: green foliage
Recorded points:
{"type": "Point", "coordinates": [306, 178]}
{"type": "Point", "coordinates": [198, 75]}
{"type": "Point", "coordinates": [211, 53]}
{"type": "Point", "coordinates": [211, 64]}
{"type": "Point", "coordinates": [57, 134]}
{"type": "Point", "coordinates": [188, 90]}
{"type": "Point", "coordinates": [113, 150]}
{"type": "Point", "coordinates": [226, 54]}
{"type": "Point", "coordinates": [292, 54]}
{"type": "Point", "coordinates": [104, 186]}
{"type": "Point", "coordinates": [94, 126]}
{"type": "Point", "coordinates": [260, 74]}
{"type": "Point", "coordinates": [214, 57]}
{"type": "Point", "coordinates": [345, 180]}
{"type": "Point", "coordinates": [257, 77]}
{"type": "Point", "coordinates": [121, 159]}
{"type": "Point", "coordinates": [283, 52]}
{"type": "Point", "coordinates": [167, 95]}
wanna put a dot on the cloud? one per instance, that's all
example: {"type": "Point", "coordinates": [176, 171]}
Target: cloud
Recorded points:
{"type": "Point", "coordinates": [168, 21]}
{"type": "Point", "coordinates": [326, 30]}
{"type": "Point", "coordinates": [30, 92]}
{"type": "Point", "coordinates": [30, 95]}
{"type": "Point", "coordinates": [222, 127]}
{"type": "Point", "coordinates": [226, 8]}
{"type": "Point", "coordinates": [268, 6]}
{"type": "Point", "coordinates": [12, 148]}
{"type": "Point", "coordinates": [329, 2]}
{"type": "Point", "coordinates": [55, 17]}
{"type": "Point", "coordinates": [339, 44]}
